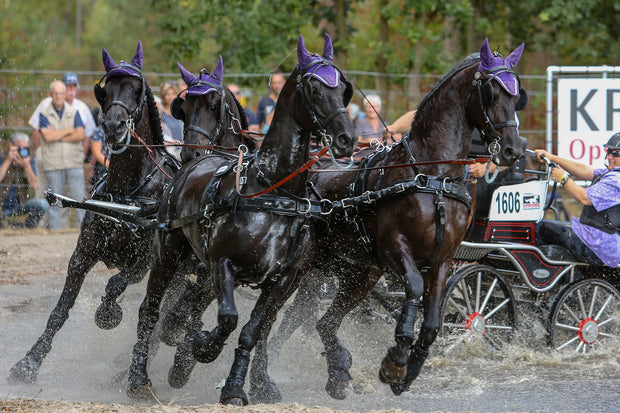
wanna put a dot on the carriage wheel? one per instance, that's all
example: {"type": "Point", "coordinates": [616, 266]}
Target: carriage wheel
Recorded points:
{"type": "Point", "coordinates": [478, 307]}
{"type": "Point", "coordinates": [585, 316]}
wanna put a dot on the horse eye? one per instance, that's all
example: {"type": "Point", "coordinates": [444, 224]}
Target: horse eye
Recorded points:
{"type": "Point", "coordinates": [213, 107]}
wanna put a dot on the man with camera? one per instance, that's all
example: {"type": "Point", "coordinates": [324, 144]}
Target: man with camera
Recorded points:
{"type": "Point", "coordinates": [18, 183]}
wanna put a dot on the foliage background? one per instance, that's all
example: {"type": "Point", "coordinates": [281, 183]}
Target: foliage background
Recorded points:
{"type": "Point", "coordinates": [400, 42]}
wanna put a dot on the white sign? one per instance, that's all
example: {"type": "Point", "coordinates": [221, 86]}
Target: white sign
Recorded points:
{"type": "Point", "coordinates": [588, 114]}
{"type": "Point", "coordinates": [520, 202]}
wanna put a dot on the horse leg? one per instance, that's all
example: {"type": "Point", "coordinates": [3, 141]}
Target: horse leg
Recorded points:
{"type": "Point", "coordinates": [208, 345]}
{"type": "Point", "coordinates": [433, 297]}
{"type": "Point", "coordinates": [109, 314]}
{"type": "Point", "coordinates": [305, 306]}
{"type": "Point", "coordinates": [139, 386]}
{"type": "Point", "coordinates": [394, 364]}
{"type": "Point", "coordinates": [27, 369]}
{"type": "Point", "coordinates": [258, 327]}
{"type": "Point", "coordinates": [353, 289]}
{"type": "Point", "coordinates": [196, 302]}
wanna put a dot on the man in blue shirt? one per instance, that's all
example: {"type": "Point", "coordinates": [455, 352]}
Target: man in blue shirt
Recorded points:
{"type": "Point", "coordinates": [594, 237]}
{"type": "Point", "coordinates": [62, 133]}
{"type": "Point", "coordinates": [18, 183]}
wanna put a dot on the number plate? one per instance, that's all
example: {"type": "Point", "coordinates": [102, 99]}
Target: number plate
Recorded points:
{"type": "Point", "coordinates": [521, 202]}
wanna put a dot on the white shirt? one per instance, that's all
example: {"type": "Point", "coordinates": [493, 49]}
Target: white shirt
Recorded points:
{"type": "Point", "coordinates": [85, 114]}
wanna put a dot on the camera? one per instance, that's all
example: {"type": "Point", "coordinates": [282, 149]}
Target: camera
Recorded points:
{"type": "Point", "coordinates": [23, 151]}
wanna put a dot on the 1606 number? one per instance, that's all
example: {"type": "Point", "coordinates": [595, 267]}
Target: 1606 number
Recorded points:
{"type": "Point", "coordinates": [508, 202]}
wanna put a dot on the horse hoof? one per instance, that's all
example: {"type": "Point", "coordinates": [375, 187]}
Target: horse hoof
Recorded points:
{"type": "Point", "coordinates": [205, 347]}
{"type": "Point", "coordinates": [234, 401]}
{"type": "Point", "coordinates": [184, 363]}
{"type": "Point", "coordinates": [398, 388]}
{"type": "Point", "coordinates": [336, 389]}
{"type": "Point", "coordinates": [265, 393]}
{"type": "Point", "coordinates": [390, 372]}
{"type": "Point", "coordinates": [144, 392]}
{"type": "Point", "coordinates": [108, 315]}
{"type": "Point", "coordinates": [25, 371]}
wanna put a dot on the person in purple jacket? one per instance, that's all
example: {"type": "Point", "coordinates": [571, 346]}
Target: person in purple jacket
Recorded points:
{"type": "Point", "coordinates": [594, 237]}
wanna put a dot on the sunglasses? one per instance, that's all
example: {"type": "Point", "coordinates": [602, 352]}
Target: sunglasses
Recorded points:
{"type": "Point", "coordinates": [614, 153]}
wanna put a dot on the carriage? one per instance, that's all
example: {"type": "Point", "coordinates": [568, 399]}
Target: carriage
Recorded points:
{"type": "Point", "coordinates": [499, 271]}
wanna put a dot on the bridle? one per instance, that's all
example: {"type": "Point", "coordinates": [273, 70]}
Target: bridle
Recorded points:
{"type": "Point", "coordinates": [483, 86]}
{"type": "Point", "coordinates": [304, 89]}
{"type": "Point", "coordinates": [132, 115]}
{"type": "Point", "coordinates": [225, 112]}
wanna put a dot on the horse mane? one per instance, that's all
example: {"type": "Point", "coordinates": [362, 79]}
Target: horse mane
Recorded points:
{"type": "Point", "coordinates": [468, 61]}
{"type": "Point", "coordinates": [155, 120]}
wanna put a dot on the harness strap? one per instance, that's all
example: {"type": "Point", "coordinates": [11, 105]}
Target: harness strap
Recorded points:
{"type": "Point", "coordinates": [440, 223]}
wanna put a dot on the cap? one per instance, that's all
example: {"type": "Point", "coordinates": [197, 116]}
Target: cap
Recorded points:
{"type": "Point", "coordinates": [70, 78]}
{"type": "Point", "coordinates": [613, 142]}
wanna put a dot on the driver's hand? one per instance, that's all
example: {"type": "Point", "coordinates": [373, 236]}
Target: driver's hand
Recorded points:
{"type": "Point", "coordinates": [557, 174]}
{"type": "Point", "coordinates": [477, 169]}
{"type": "Point", "coordinates": [540, 153]}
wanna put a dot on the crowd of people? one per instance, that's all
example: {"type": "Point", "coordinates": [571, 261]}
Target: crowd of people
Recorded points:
{"type": "Point", "coordinates": [67, 134]}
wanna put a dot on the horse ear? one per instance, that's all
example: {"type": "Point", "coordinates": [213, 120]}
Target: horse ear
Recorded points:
{"type": "Point", "coordinates": [137, 58]}
{"type": "Point", "coordinates": [514, 57]}
{"type": "Point", "coordinates": [303, 56]}
{"type": "Point", "coordinates": [108, 62]}
{"type": "Point", "coordinates": [328, 48]}
{"type": "Point", "coordinates": [486, 55]}
{"type": "Point", "coordinates": [187, 76]}
{"type": "Point", "coordinates": [218, 72]}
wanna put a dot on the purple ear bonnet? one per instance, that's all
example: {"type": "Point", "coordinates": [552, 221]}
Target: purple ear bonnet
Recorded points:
{"type": "Point", "coordinates": [491, 63]}
{"type": "Point", "coordinates": [124, 69]}
{"type": "Point", "coordinates": [203, 83]}
{"type": "Point", "coordinates": [318, 67]}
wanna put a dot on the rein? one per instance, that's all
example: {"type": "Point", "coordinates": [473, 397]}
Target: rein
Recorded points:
{"type": "Point", "coordinates": [303, 168]}
{"type": "Point", "coordinates": [149, 151]}
{"type": "Point", "coordinates": [408, 165]}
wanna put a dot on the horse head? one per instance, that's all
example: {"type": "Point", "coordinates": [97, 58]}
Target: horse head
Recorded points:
{"type": "Point", "coordinates": [210, 112]}
{"type": "Point", "coordinates": [127, 102]}
{"type": "Point", "coordinates": [495, 96]}
{"type": "Point", "coordinates": [321, 98]}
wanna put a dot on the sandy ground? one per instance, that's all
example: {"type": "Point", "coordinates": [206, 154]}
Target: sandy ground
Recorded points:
{"type": "Point", "coordinates": [78, 374]}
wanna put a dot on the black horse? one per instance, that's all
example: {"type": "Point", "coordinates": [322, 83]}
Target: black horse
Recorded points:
{"type": "Point", "coordinates": [406, 213]}
{"type": "Point", "coordinates": [254, 226]}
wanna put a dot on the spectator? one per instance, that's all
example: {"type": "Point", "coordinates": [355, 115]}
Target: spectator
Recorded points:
{"type": "Point", "coordinates": [594, 237]}
{"type": "Point", "coordinates": [19, 183]}
{"type": "Point", "coordinates": [370, 127]}
{"type": "Point", "coordinates": [62, 132]}
{"type": "Point", "coordinates": [252, 122]}
{"type": "Point", "coordinates": [99, 148]}
{"type": "Point", "coordinates": [167, 93]}
{"type": "Point", "coordinates": [70, 80]}
{"type": "Point", "coordinates": [267, 104]}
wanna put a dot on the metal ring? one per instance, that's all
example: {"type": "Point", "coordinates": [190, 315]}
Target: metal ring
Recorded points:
{"type": "Point", "coordinates": [494, 147]}
{"type": "Point", "coordinates": [307, 212]}
{"type": "Point", "coordinates": [242, 148]}
{"type": "Point", "coordinates": [418, 180]}
{"type": "Point", "coordinates": [377, 145]}
{"type": "Point", "coordinates": [329, 203]}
